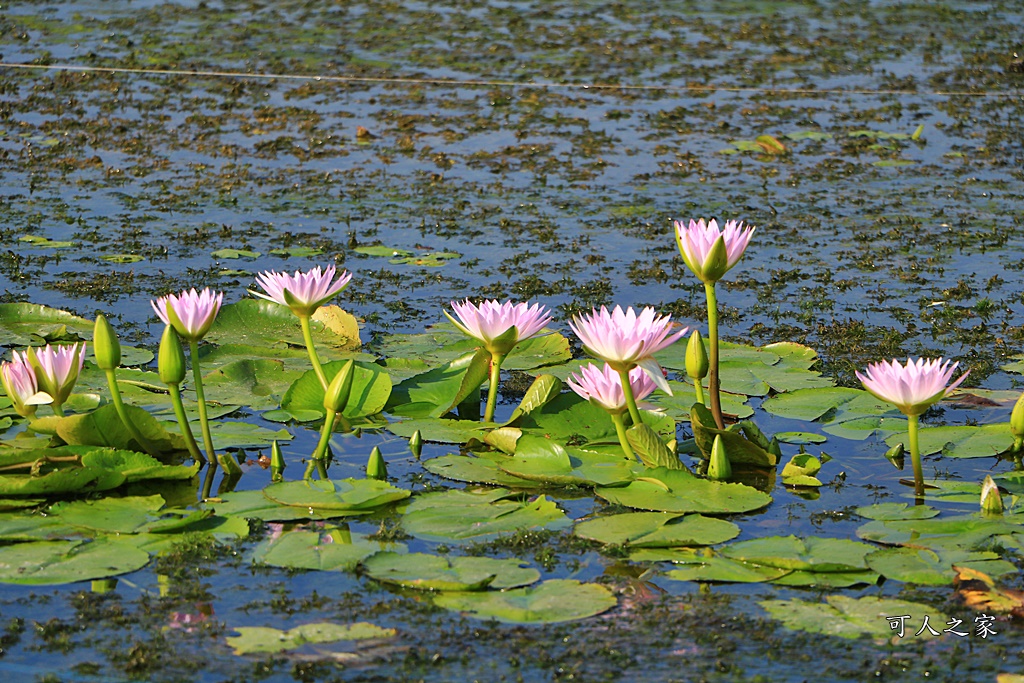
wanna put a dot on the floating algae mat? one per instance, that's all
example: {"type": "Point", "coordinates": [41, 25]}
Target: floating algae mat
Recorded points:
{"type": "Point", "coordinates": [536, 152]}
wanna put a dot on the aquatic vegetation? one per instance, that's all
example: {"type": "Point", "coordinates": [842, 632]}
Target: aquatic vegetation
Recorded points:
{"type": "Point", "coordinates": [604, 387]}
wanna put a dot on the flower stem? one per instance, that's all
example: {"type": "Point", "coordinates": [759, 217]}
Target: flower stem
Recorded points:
{"type": "Point", "coordinates": [915, 456]}
{"type": "Point", "coordinates": [699, 390]}
{"type": "Point", "coordinates": [325, 436]}
{"type": "Point", "coordinates": [307, 335]}
{"type": "Point", "coordinates": [627, 391]}
{"type": "Point", "coordinates": [204, 420]}
{"type": "Point", "coordinates": [713, 383]}
{"type": "Point", "coordinates": [122, 412]}
{"type": "Point", "coordinates": [492, 387]}
{"type": "Point", "coordinates": [58, 410]}
{"type": "Point", "coordinates": [620, 429]}
{"type": "Point", "coordinates": [186, 428]}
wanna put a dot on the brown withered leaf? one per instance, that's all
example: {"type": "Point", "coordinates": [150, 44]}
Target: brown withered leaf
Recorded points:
{"type": "Point", "coordinates": [978, 591]}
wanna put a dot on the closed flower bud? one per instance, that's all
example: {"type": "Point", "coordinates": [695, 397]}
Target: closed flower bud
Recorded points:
{"type": "Point", "coordinates": [171, 358]}
{"type": "Point", "coordinates": [991, 500]}
{"type": "Point", "coordinates": [376, 468]}
{"type": "Point", "coordinates": [1017, 424]}
{"type": "Point", "coordinates": [416, 443]}
{"type": "Point", "coordinates": [895, 455]}
{"type": "Point", "coordinates": [105, 344]}
{"type": "Point", "coordinates": [719, 467]}
{"type": "Point", "coordinates": [340, 387]}
{"type": "Point", "coordinates": [696, 357]}
{"type": "Point", "coordinates": [276, 462]}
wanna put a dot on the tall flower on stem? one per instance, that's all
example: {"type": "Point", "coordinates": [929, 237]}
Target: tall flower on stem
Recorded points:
{"type": "Point", "coordinates": [171, 366]}
{"type": "Point", "coordinates": [626, 340]}
{"type": "Point", "coordinates": [56, 370]}
{"type": "Point", "coordinates": [107, 350]}
{"type": "Point", "coordinates": [604, 387]}
{"type": "Point", "coordinates": [19, 381]}
{"type": "Point", "coordinates": [710, 253]}
{"type": "Point", "coordinates": [499, 327]}
{"type": "Point", "coordinates": [191, 314]}
{"type": "Point", "coordinates": [303, 293]}
{"type": "Point", "coordinates": [912, 388]}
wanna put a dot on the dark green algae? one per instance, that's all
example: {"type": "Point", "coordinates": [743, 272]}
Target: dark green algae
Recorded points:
{"type": "Point", "coordinates": [559, 194]}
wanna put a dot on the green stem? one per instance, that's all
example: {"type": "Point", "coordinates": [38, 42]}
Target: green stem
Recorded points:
{"type": "Point", "coordinates": [915, 456]}
{"type": "Point", "coordinates": [204, 420]}
{"type": "Point", "coordinates": [713, 383]}
{"type": "Point", "coordinates": [627, 391]}
{"type": "Point", "coordinates": [699, 390]}
{"type": "Point", "coordinates": [492, 387]}
{"type": "Point", "coordinates": [325, 436]}
{"type": "Point", "coordinates": [620, 429]}
{"type": "Point", "coordinates": [122, 412]}
{"type": "Point", "coordinates": [307, 335]}
{"type": "Point", "coordinates": [58, 410]}
{"type": "Point", "coordinates": [186, 428]}
{"type": "Point", "coordinates": [208, 483]}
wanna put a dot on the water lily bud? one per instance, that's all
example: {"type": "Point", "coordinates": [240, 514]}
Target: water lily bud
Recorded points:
{"type": "Point", "coordinates": [276, 462]}
{"type": "Point", "coordinates": [339, 389]}
{"type": "Point", "coordinates": [719, 467]}
{"type": "Point", "coordinates": [416, 443]}
{"type": "Point", "coordinates": [376, 468]}
{"type": "Point", "coordinates": [171, 358]}
{"type": "Point", "coordinates": [991, 500]}
{"type": "Point", "coordinates": [895, 455]}
{"type": "Point", "coordinates": [1017, 424]}
{"type": "Point", "coordinates": [105, 344]}
{"type": "Point", "coordinates": [774, 448]}
{"type": "Point", "coordinates": [696, 357]}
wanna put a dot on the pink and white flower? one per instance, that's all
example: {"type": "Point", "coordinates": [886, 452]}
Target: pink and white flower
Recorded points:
{"type": "Point", "coordinates": [698, 245]}
{"type": "Point", "coordinates": [56, 369]}
{"type": "Point", "coordinates": [302, 292]}
{"type": "Point", "coordinates": [19, 381]}
{"type": "Point", "coordinates": [499, 326]}
{"type": "Point", "coordinates": [603, 386]}
{"type": "Point", "coordinates": [190, 313]}
{"type": "Point", "coordinates": [913, 387]}
{"type": "Point", "coordinates": [626, 340]}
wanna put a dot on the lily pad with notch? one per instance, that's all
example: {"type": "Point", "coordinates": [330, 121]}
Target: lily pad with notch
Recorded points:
{"type": "Point", "coordinates": [553, 601]}
{"type": "Point", "coordinates": [656, 530]}
{"type": "Point", "coordinates": [479, 514]}
{"type": "Point", "coordinates": [680, 491]}
{"type": "Point", "coordinates": [435, 573]}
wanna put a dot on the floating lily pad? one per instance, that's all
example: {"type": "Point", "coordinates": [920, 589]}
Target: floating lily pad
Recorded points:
{"type": "Point", "coordinates": [21, 324]}
{"type": "Point", "coordinates": [476, 470]}
{"type": "Point", "coordinates": [34, 527]}
{"type": "Point", "coordinates": [553, 601]}
{"type": "Point", "coordinates": [123, 258]}
{"type": "Point", "coordinates": [802, 579]}
{"type": "Point", "coordinates": [716, 569]}
{"type": "Point", "coordinates": [848, 617]}
{"type": "Point", "coordinates": [255, 505]}
{"type": "Point", "coordinates": [800, 438]}
{"type": "Point", "coordinates": [267, 324]}
{"type": "Point", "coordinates": [235, 253]}
{"type": "Point", "coordinates": [441, 430]}
{"type": "Point", "coordinates": [810, 554]}
{"type": "Point", "coordinates": [326, 550]}
{"type": "Point", "coordinates": [438, 391]}
{"type": "Point", "coordinates": [381, 250]}
{"type": "Point", "coordinates": [128, 515]}
{"type": "Point", "coordinates": [740, 450]}
{"type": "Point", "coordinates": [432, 260]}
{"type": "Point", "coordinates": [58, 562]}
{"type": "Point", "coordinates": [657, 530]}
{"type": "Point", "coordinates": [260, 640]}
{"type": "Point", "coordinates": [678, 405]}
{"type": "Point", "coordinates": [338, 495]}
{"type": "Point", "coordinates": [934, 568]}
{"type": "Point", "coordinates": [680, 491]}
{"type": "Point", "coordinates": [103, 427]}
{"type": "Point", "coordinates": [891, 511]}
{"type": "Point", "coordinates": [964, 531]}
{"type": "Point", "coordinates": [371, 388]}
{"type": "Point", "coordinates": [844, 412]}
{"type": "Point", "coordinates": [960, 441]}
{"type": "Point", "coordinates": [257, 383]}
{"type": "Point", "coordinates": [469, 514]}
{"type": "Point", "coordinates": [443, 343]}
{"type": "Point", "coordinates": [435, 573]}
{"type": "Point", "coordinates": [570, 418]}
{"type": "Point", "coordinates": [548, 462]}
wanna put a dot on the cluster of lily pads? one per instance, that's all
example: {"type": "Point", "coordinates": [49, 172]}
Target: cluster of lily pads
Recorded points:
{"type": "Point", "coordinates": [597, 435]}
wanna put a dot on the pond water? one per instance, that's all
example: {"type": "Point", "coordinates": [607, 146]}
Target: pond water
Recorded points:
{"type": "Point", "coordinates": [538, 151]}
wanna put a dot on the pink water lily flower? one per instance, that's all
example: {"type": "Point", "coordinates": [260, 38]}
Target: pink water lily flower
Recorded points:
{"type": "Point", "coordinates": [697, 244]}
{"type": "Point", "coordinates": [603, 386]}
{"type": "Point", "coordinates": [626, 340]}
{"type": "Point", "coordinates": [302, 292]}
{"type": "Point", "coordinates": [19, 381]}
{"type": "Point", "coordinates": [190, 313]}
{"type": "Point", "coordinates": [912, 387]}
{"type": "Point", "coordinates": [499, 326]}
{"type": "Point", "coordinates": [56, 369]}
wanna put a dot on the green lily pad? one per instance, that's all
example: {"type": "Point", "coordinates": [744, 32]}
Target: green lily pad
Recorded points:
{"type": "Point", "coordinates": [326, 550]}
{"type": "Point", "coordinates": [257, 383]}
{"type": "Point", "coordinates": [432, 572]}
{"type": "Point", "coordinates": [678, 405]}
{"type": "Point", "coordinates": [235, 434]}
{"type": "Point", "coordinates": [800, 438]}
{"type": "Point", "coordinates": [849, 617]}
{"type": "Point", "coordinates": [962, 441]}
{"type": "Point", "coordinates": [440, 430]}
{"type": "Point", "coordinates": [553, 601]}
{"type": "Point", "coordinates": [443, 343]}
{"type": "Point", "coordinates": [123, 258]}
{"type": "Point", "coordinates": [800, 470]}
{"type": "Point", "coordinates": [371, 388]}
{"type": "Point", "coordinates": [810, 554]}
{"type": "Point", "coordinates": [476, 470]}
{"type": "Point", "coordinates": [843, 412]}
{"type": "Point", "coordinates": [34, 527]}
{"type": "Point", "coordinates": [657, 530]}
{"type": "Point", "coordinates": [381, 250]}
{"type": "Point", "coordinates": [341, 495]}
{"type": "Point", "coordinates": [965, 531]}
{"type": "Point", "coordinates": [476, 515]}
{"type": "Point", "coordinates": [58, 562]}
{"type": "Point", "coordinates": [103, 427]}
{"type": "Point", "coordinates": [934, 568]}
{"type": "Point", "coordinates": [740, 450]}
{"type": "Point", "coordinates": [680, 491]}
{"type": "Point", "coordinates": [548, 462]}
{"type": "Point", "coordinates": [438, 391]}
{"type": "Point", "coordinates": [261, 640]}
{"type": "Point", "coordinates": [22, 324]}
{"type": "Point", "coordinates": [570, 418]}
{"type": "Point", "coordinates": [128, 515]}
{"type": "Point", "coordinates": [76, 480]}
{"type": "Point", "coordinates": [802, 579]}
{"type": "Point", "coordinates": [235, 253]}
{"type": "Point", "coordinates": [267, 324]}
{"type": "Point", "coordinates": [717, 569]}
{"type": "Point", "coordinates": [432, 260]}
{"type": "Point", "coordinates": [255, 505]}
{"type": "Point", "coordinates": [892, 511]}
